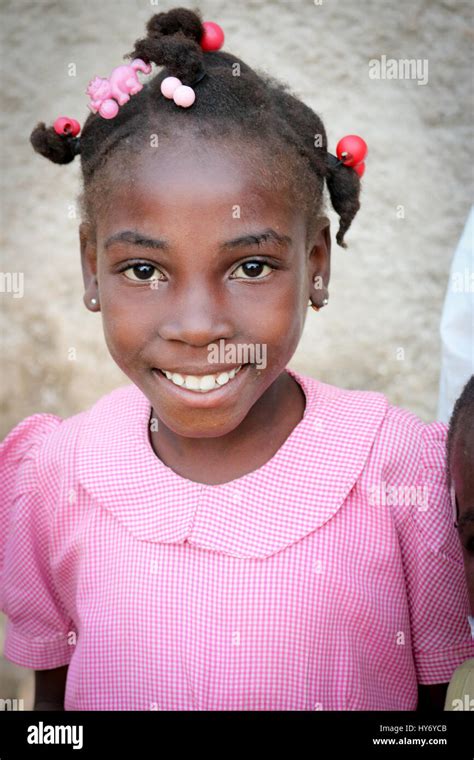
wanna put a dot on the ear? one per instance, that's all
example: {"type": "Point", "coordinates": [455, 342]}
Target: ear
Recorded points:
{"type": "Point", "coordinates": [319, 260]}
{"type": "Point", "coordinates": [89, 265]}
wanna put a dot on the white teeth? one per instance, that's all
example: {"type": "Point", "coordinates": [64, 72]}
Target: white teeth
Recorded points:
{"type": "Point", "coordinates": [203, 383]}
{"type": "Point", "coordinates": [223, 378]}
{"type": "Point", "coordinates": [191, 382]}
{"type": "Point", "coordinates": [207, 383]}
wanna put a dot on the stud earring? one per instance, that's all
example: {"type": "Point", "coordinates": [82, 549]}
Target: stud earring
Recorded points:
{"type": "Point", "coordinates": [317, 308]}
{"type": "Point", "coordinates": [93, 301]}
{"type": "Point", "coordinates": [325, 300]}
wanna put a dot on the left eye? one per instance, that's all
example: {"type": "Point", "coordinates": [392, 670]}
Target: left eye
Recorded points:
{"type": "Point", "coordinates": [252, 270]}
{"type": "Point", "coordinates": [142, 272]}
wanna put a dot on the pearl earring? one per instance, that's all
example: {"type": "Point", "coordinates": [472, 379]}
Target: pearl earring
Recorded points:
{"type": "Point", "coordinates": [317, 308]}
{"type": "Point", "coordinates": [325, 300]}
{"type": "Point", "coordinates": [93, 301]}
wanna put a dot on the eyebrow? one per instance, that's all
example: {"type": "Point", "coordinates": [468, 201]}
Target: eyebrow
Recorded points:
{"type": "Point", "coordinates": [256, 238]}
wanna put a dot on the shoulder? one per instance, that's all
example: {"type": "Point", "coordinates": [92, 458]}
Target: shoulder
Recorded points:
{"type": "Point", "coordinates": [409, 457]}
{"type": "Point", "coordinates": [398, 443]}
{"type": "Point", "coordinates": [402, 463]}
{"type": "Point", "coordinates": [408, 444]}
{"type": "Point", "coordinates": [19, 450]}
{"type": "Point", "coordinates": [39, 447]}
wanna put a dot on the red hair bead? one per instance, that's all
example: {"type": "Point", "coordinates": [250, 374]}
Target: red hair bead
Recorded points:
{"type": "Point", "coordinates": [351, 150]}
{"type": "Point", "coordinates": [213, 36]}
{"type": "Point", "coordinates": [66, 126]}
{"type": "Point", "coordinates": [360, 168]}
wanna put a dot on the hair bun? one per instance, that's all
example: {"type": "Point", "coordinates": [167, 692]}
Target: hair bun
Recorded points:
{"type": "Point", "coordinates": [60, 149]}
{"type": "Point", "coordinates": [176, 20]}
{"type": "Point", "coordinates": [344, 189]}
{"type": "Point", "coordinates": [173, 42]}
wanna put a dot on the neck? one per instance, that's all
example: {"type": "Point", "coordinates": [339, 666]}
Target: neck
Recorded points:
{"type": "Point", "coordinates": [260, 434]}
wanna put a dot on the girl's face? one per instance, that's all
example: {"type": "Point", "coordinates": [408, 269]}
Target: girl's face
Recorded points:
{"type": "Point", "coordinates": [199, 269]}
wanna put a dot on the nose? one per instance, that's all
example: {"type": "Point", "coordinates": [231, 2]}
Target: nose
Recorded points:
{"type": "Point", "coordinates": [197, 316]}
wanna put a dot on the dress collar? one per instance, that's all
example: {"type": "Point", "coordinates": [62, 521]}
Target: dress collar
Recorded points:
{"type": "Point", "coordinates": [295, 492]}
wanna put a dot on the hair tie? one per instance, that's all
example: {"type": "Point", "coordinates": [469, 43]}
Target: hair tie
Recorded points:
{"type": "Point", "coordinates": [76, 145]}
{"type": "Point", "coordinates": [351, 151]}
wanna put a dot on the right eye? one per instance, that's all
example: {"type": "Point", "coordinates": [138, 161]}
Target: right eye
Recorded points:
{"type": "Point", "coordinates": [142, 271]}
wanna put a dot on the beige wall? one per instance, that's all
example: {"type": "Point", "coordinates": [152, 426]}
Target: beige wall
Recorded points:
{"type": "Point", "coordinates": [386, 290]}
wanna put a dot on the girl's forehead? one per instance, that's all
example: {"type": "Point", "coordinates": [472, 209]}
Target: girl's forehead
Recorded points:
{"type": "Point", "coordinates": [176, 187]}
{"type": "Point", "coordinates": [212, 168]}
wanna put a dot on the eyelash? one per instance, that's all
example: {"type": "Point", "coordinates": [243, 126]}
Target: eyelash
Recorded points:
{"type": "Point", "coordinates": [140, 262]}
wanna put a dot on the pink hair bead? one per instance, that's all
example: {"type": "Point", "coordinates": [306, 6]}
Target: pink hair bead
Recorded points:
{"type": "Point", "coordinates": [351, 150]}
{"type": "Point", "coordinates": [213, 36]}
{"type": "Point", "coordinates": [184, 96]}
{"type": "Point", "coordinates": [109, 109]}
{"type": "Point", "coordinates": [169, 85]}
{"type": "Point", "coordinates": [66, 126]}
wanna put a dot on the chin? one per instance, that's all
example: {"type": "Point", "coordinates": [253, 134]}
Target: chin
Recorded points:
{"type": "Point", "coordinates": [201, 423]}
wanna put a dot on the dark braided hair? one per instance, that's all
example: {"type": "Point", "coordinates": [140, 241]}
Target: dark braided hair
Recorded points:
{"type": "Point", "coordinates": [462, 419]}
{"type": "Point", "coordinates": [251, 106]}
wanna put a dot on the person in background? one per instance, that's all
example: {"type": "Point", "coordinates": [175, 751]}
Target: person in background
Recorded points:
{"type": "Point", "coordinates": [460, 474]}
{"type": "Point", "coordinates": [457, 324]}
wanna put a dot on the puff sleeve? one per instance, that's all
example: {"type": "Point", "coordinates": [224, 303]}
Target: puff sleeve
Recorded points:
{"type": "Point", "coordinates": [37, 623]}
{"type": "Point", "coordinates": [434, 571]}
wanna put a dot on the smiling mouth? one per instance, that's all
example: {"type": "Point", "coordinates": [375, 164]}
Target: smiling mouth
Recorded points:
{"type": "Point", "coordinates": [201, 383]}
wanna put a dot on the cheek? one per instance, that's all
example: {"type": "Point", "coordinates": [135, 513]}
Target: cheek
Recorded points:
{"type": "Point", "coordinates": [281, 330]}
{"type": "Point", "coordinates": [126, 330]}
{"type": "Point", "coordinates": [274, 315]}
{"type": "Point", "coordinates": [274, 338]}
{"type": "Point", "coordinates": [284, 325]}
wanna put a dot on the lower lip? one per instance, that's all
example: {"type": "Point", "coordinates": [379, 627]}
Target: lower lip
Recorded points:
{"type": "Point", "coordinates": [207, 400]}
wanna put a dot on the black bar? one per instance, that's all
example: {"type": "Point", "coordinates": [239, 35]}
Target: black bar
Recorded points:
{"type": "Point", "coordinates": [325, 735]}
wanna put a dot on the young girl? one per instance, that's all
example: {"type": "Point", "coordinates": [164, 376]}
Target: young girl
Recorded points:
{"type": "Point", "coordinates": [223, 533]}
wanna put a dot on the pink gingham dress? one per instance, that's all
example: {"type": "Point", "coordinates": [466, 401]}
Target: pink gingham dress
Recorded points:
{"type": "Point", "coordinates": [293, 587]}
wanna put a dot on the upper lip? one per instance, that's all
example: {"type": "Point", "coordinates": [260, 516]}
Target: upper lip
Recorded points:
{"type": "Point", "coordinates": [211, 369]}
